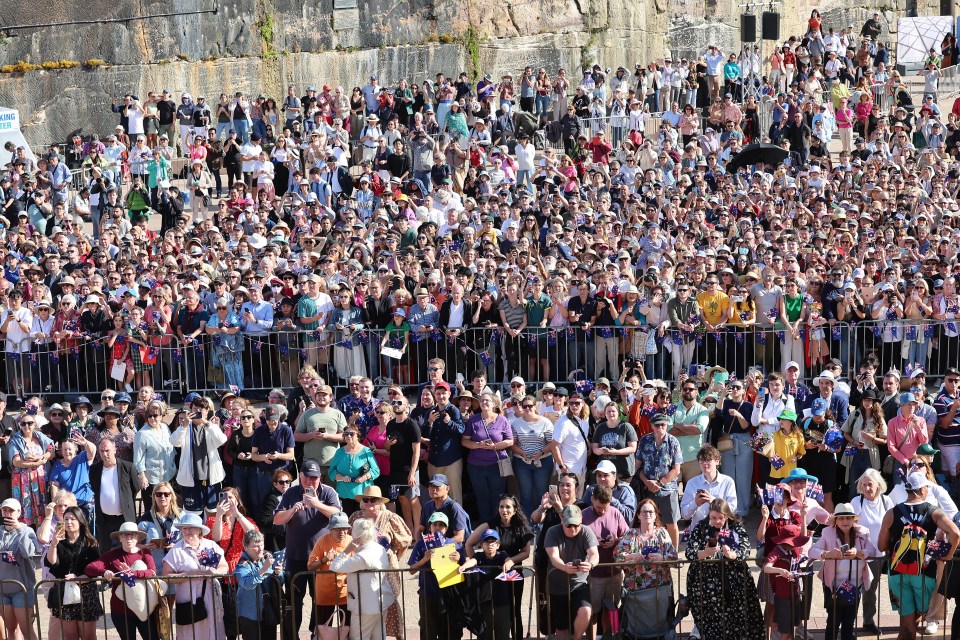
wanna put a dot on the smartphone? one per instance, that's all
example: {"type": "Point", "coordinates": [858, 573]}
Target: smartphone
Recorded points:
{"type": "Point", "coordinates": [711, 542]}
{"type": "Point", "coordinates": [844, 548]}
{"type": "Point", "coordinates": [310, 491]}
{"type": "Point", "coordinates": [553, 490]}
{"type": "Point", "coordinates": [692, 370]}
{"type": "Point", "coordinates": [460, 377]}
{"type": "Point", "coordinates": [222, 498]}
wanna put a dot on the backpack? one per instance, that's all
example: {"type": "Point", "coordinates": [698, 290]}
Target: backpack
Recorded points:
{"type": "Point", "coordinates": [910, 549]}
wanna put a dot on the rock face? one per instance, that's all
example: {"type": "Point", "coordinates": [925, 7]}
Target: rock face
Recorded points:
{"type": "Point", "coordinates": [206, 46]}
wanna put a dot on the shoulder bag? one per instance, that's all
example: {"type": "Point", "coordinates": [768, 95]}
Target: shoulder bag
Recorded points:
{"type": "Point", "coordinates": [188, 613]}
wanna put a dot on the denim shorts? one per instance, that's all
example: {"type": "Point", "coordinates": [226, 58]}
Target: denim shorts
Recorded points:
{"type": "Point", "coordinates": [17, 599]}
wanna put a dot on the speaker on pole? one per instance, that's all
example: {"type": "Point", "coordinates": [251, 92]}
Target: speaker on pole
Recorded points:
{"type": "Point", "coordinates": [770, 25]}
{"type": "Point", "coordinates": [748, 27]}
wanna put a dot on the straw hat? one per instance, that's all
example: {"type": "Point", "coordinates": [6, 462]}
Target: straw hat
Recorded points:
{"type": "Point", "coordinates": [373, 491]}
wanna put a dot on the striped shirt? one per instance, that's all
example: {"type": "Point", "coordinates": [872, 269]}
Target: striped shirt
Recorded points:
{"type": "Point", "coordinates": [532, 437]}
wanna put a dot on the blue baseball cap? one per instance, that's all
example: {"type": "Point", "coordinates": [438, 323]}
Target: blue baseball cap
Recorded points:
{"type": "Point", "coordinates": [439, 480]}
{"type": "Point", "coordinates": [907, 398]}
{"type": "Point", "coordinates": [488, 534]}
{"type": "Point", "coordinates": [819, 407]}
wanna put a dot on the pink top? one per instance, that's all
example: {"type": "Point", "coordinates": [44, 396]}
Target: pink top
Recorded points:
{"type": "Point", "coordinates": [377, 439]}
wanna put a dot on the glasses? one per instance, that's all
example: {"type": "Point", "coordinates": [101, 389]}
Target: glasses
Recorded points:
{"type": "Point", "coordinates": [383, 413]}
{"type": "Point", "coordinates": [246, 417]}
{"type": "Point", "coordinates": [106, 397]}
{"type": "Point", "coordinates": [55, 414]}
{"type": "Point", "coordinates": [349, 434]}
{"type": "Point", "coordinates": [737, 387]}
{"type": "Point", "coordinates": [27, 424]}
{"type": "Point", "coordinates": [162, 494]}
{"type": "Point", "coordinates": [433, 368]}
{"type": "Point", "coordinates": [527, 406]}
{"type": "Point", "coordinates": [574, 403]}
{"type": "Point", "coordinates": [149, 415]}
{"type": "Point", "coordinates": [370, 500]}
{"type": "Point", "coordinates": [284, 481]}
{"type": "Point", "coordinates": [516, 386]}
{"type": "Point", "coordinates": [689, 389]}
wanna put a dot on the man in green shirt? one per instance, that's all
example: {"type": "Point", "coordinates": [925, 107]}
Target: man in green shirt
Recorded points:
{"type": "Point", "coordinates": [689, 426]}
{"type": "Point", "coordinates": [320, 429]}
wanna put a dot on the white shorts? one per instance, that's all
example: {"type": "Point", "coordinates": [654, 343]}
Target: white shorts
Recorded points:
{"type": "Point", "coordinates": [949, 457]}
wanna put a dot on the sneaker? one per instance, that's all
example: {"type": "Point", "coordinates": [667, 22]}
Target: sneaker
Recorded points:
{"type": "Point", "coordinates": [931, 628]}
{"type": "Point", "coordinates": [694, 634]}
{"type": "Point", "coordinates": [128, 388]}
{"type": "Point", "coordinates": [871, 628]}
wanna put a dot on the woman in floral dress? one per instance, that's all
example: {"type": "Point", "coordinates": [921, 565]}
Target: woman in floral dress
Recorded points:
{"type": "Point", "coordinates": [29, 452]}
{"type": "Point", "coordinates": [722, 595]}
{"type": "Point", "coordinates": [647, 540]}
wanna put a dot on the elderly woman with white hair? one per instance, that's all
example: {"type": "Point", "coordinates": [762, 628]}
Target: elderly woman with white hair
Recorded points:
{"type": "Point", "coordinates": [871, 506]}
{"type": "Point", "coordinates": [369, 593]}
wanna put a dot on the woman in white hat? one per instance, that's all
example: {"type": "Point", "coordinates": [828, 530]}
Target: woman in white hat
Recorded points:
{"type": "Point", "coordinates": [363, 560]}
{"type": "Point", "coordinates": [184, 559]}
{"type": "Point", "coordinates": [18, 545]}
{"type": "Point", "coordinates": [391, 527]}
{"type": "Point", "coordinates": [843, 546]}
{"type": "Point", "coordinates": [130, 558]}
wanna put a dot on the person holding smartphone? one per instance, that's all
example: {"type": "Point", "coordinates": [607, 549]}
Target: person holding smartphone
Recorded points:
{"type": "Point", "coordinates": [201, 471]}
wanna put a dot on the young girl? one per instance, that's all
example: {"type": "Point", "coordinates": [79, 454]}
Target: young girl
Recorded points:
{"type": "Point", "coordinates": [787, 446]}
{"type": "Point", "coordinates": [396, 336]}
{"type": "Point", "coordinates": [119, 344]}
{"type": "Point", "coordinates": [137, 337]}
{"type": "Point", "coordinates": [818, 348]}
{"type": "Point", "coordinates": [780, 564]}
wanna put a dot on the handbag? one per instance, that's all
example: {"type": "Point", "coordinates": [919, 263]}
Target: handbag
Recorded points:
{"type": "Point", "coordinates": [144, 596]}
{"type": "Point", "coordinates": [888, 463]}
{"type": "Point", "coordinates": [188, 613]}
{"type": "Point", "coordinates": [119, 370]}
{"type": "Point", "coordinates": [647, 613]}
{"type": "Point", "coordinates": [163, 621]}
{"type": "Point", "coordinates": [71, 593]}
{"type": "Point", "coordinates": [504, 464]}
{"type": "Point", "coordinates": [335, 628]}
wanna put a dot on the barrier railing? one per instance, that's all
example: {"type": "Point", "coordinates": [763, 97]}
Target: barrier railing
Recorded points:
{"type": "Point", "coordinates": [85, 364]}
{"type": "Point", "coordinates": [637, 598]}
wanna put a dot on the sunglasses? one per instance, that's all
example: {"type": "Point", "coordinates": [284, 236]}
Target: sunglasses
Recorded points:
{"type": "Point", "coordinates": [26, 424]}
{"type": "Point", "coordinates": [383, 413]}
{"type": "Point", "coordinates": [370, 500]}
{"type": "Point", "coordinates": [163, 494]}
{"type": "Point", "coordinates": [246, 417]}
{"type": "Point", "coordinates": [349, 434]}
{"type": "Point", "coordinates": [287, 481]}
{"type": "Point", "coordinates": [527, 406]}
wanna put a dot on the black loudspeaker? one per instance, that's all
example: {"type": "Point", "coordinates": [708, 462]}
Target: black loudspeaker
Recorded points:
{"type": "Point", "coordinates": [770, 25]}
{"type": "Point", "coordinates": [748, 27]}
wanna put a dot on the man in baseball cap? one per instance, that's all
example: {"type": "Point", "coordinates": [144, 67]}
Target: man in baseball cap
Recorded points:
{"type": "Point", "coordinates": [573, 553]}
{"type": "Point", "coordinates": [913, 577]}
{"type": "Point", "coordinates": [306, 510]}
{"type": "Point", "coordinates": [441, 502]}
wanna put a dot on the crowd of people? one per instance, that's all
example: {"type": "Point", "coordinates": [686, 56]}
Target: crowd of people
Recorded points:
{"type": "Point", "coordinates": [547, 316]}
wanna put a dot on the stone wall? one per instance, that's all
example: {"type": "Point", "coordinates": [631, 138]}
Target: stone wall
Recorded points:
{"type": "Point", "coordinates": [262, 45]}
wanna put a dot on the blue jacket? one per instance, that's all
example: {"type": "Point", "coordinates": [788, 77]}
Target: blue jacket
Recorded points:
{"type": "Point", "coordinates": [252, 587]}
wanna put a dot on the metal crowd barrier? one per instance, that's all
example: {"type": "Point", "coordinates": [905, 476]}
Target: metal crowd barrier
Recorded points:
{"type": "Point", "coordinates": [84, 366]}
{"type": "Point", "coordinates": [294, 607]}
{"type": "Point", "coordinates": [661, 608]}
{"type": "Point", "coordinates": [540, 601]}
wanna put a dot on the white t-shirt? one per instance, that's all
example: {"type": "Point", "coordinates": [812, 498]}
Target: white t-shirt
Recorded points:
{"type": "Point", "coordinates": [18, 340]}
{"type": "Point", "coordinates": [110, 492]}
{"type": "Point", "coordinates": [134, 121]}
{"type": "Point", "coordinates": [250, 150]}
{"type": "Point", "coordinates": [571, 439]}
